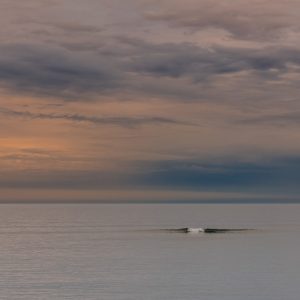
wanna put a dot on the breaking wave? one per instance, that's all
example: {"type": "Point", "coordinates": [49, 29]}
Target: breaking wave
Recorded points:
{"type": "Point", "coordinates": [207, 230]}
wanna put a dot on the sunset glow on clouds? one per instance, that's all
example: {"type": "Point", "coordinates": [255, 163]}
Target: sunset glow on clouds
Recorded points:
{"type": "Point", "coordinates": [149, 100]}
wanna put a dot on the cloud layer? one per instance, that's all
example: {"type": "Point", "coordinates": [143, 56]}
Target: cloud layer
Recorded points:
{"type": "Point", "coordinates": [199, 95]}
{"type": "Point", "coordinates": [259, 19]}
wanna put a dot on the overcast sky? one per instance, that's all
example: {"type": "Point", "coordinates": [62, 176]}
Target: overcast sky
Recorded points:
{"type": "Point", "coordinates": [148, 100]}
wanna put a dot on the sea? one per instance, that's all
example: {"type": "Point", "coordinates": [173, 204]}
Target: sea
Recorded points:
{"type": "Point", "coordinates": [128, 252]}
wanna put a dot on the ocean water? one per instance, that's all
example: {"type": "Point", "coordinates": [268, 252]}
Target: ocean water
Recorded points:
{"type": "Point", "coordinates": [122, 252]}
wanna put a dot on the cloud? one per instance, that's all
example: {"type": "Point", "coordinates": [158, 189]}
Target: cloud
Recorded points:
{"type": "Point", "coordinates": [159, 65]}
{"type": "Point", "coordinates": [53, 71]}
{"type": "Point", "coordinates": [87, 60]}
{"type": "Point", "coordinates": [274, 175]}
{"type": "Point", "coordinates": [57, 179]}
{"type": "Point", "coordinates": [130, 65]}
{"type": "Point", "coordinates": [202, 63]}
{"type": "Point", "coordinates": [259, 19]}
{"type": "Point", "coordinates": [71, 27]}
{"type": "Point", "coordinates": [104, 120]}
{"type": "Point", "coordinates": [282, 119]}
{"type": "Point", "coordinates": [270, 174]}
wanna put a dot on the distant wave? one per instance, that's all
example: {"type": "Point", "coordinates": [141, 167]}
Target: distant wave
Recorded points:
{"type": "Point", "coordinates": [207, 230]}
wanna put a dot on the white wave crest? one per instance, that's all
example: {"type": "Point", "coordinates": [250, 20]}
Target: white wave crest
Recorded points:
{"type": "Point", "coordinates": [195, 230]}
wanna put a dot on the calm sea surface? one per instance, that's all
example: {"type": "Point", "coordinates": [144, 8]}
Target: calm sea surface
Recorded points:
{"type": "Point", "coordinates": [112, 252]}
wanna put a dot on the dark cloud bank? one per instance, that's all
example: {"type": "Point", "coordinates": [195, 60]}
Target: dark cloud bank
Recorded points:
{"type": "Point", "coordinates": [274, 175]}
{"type": "Point", "coordinates": [81, 75]}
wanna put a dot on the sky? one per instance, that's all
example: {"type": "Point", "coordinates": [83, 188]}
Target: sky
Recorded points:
{"type": "Point", "coordinates": [149, 100]}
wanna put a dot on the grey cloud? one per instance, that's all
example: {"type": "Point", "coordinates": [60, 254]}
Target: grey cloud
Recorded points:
{"type": "Point", "coordinates": [200, 63]}
{"type": "Point", "coordinates": [80, 179]}
{"type": "Point", "coordinates": [53, 71]}
{"type": "Point", "coordinates": [243, 19]}
{"type": "Point", "coordinates": [283, 119]}
{"type": "Point", "coordinates": [278, 174]}
{"type": "Point", "coordinates": [105, 120]}
{"type": "Point", "coordinates": [273, 174]}
{"type": "Point", "coordinates": [133, 66]}
{"type": "Point", "coordinates": [76, 27]}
